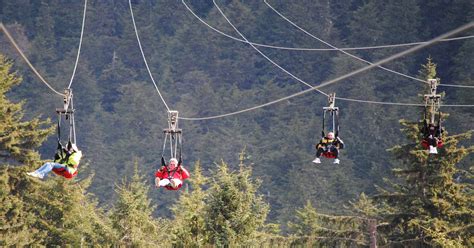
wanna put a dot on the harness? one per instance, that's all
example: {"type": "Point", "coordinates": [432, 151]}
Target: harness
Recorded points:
{"type": "Point", "coordinates": [174, 134]}
{"type": "Point", "coordinates": [432, 102]}
{"type": "Point", "coordinates": [67, 113]}
{"type": "Point", "coordinates": [334, 114]}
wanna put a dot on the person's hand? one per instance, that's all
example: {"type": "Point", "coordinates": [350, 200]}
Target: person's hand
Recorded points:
{"type": "Point", "coordinates": [157, 182]}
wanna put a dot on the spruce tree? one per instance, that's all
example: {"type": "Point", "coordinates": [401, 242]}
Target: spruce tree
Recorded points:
{"type": "Point", "coordinates": [32, 212]}
{"type": "Point", "coordinates": [188, 223]}
{"type": "Point", "coordinates": [311, 228]}
{"type": "Point", "coordinates": [426, 206]}
{"type": "Point", "coordinates": [18, 137]}
{"type": "Point", "coordinates": [68, 215]}
{"type": "Point", "coordinates": [234, 211]}
{"type": "Point", "coordinates": [132, 215]}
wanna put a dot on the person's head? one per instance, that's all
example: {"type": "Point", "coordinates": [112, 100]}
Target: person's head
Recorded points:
{"type": "Point", "coordinates": [72, 147]}
{"type": "Point", "coordinates": [330, 135]}
{"type": "Point", "coordinates": [173, 162]}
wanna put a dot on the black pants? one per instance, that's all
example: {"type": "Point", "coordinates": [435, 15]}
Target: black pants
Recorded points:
{"type": "Point", "coordinates": [331, 149]}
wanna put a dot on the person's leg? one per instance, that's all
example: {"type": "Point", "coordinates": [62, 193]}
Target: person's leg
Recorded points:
{"type": "Point", "coordinates": [175, 183]}
{"type": "Point", "coordinates": [433, 142]}
{"type": "Point", "coordinates": [48, 167]}
{"type": "Point", "coordinates": [318, 154]}
{"type": "Point", "coordinates": [164, 182]}
{"type": "Point", "coordinates": [335, 151]}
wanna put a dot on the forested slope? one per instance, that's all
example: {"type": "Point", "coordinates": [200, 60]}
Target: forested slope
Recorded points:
{"type": "Point", "coordinates": [201, 73]}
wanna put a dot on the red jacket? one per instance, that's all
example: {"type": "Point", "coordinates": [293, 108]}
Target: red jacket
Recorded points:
{"type": "Point", "coordinates": [177, 173]}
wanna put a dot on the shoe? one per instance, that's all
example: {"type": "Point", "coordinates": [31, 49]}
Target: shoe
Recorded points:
{"type": "Point", "coordinates": [317, 161]}
{"type": "Point", "coordinates": [35, 174]}
{"type": "Point", "coordinates": [336, 161]}
{"type": "Point", "coordinates": [433, 150]}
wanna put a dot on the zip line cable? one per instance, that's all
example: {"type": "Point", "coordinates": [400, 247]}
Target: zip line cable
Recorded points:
{"type": "Point", "coordinates": [353, 73]}
{"type": "Point", "coordinates": [316, 49]}
{"type": "Point", "coordinates": [332, 46]}
{"type": "Point", "coordinates": [266, 57]}
{"type": "Point", "coordinates": [331, 49]}
{"type": "Point", "coordinates": [12, 41]}
{"type": "Point", "coordinates": [18, 49]}
{"type": "Point", "coordinates": [80, 44]}
{"type": "Point", "coordinates": [300, 80]}
{"type": "Point", "coordinates": [340, 98]}
{"type": "Point", "coordinates": [346, 99]}
{"type": "Point", "coordinates": [354, 56]}
{"type": "Point", "coordinates": [143, 56]}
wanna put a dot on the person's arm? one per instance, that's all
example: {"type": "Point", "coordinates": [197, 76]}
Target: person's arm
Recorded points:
{"type": "Point", "coordinates": [184, 173]}
{"type": "Point", "coordinates": [157, 181]}
{"type": "Point", "coordinates": [320, 144]}
{"type": "Point", "coordinates": [340, 143]}
{"type": "Point", "coordinates": [163, 162]}
{"type": "Point", "coordinates": [58, 156]}
{"type": "Point", "coordinates": [74, 159]}
{"type": "Point", "coordinates": [159, 173]}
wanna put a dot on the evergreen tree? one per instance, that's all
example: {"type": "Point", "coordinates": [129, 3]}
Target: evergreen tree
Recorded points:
{"type": "Point", "coordinates": [188, 223]}
{"type": "Point", "coordinates": [45, 37]}
{"type": "Point", "coordinates": [18, 138]}
{"type": "Point", "coordinates": [68, 215]}
{"type": "Point", "coordinates": [132, 215]}
{"type": "Point", "coordinates": [51, 213]}
{"type": "Point", "coordinates": [426, 206]}
{"type": "Point", "coordinates": [234, 212]}
{"type": "Point", "coordinates": [16, 217]}
{"type": "Point", "coordinates": [313, 228]}
{"type": "Point", "coordinates": [34, 212]}
{"type": "Point", "coordinates": [306, 221]}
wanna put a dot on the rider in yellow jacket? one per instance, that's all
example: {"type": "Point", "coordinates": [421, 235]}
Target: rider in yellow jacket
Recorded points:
{"type": "Point", "coordinates": [65, 163]}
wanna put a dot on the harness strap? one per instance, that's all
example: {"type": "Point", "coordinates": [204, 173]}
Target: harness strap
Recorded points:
{"type": "Point", "coordinates": [324, 121]}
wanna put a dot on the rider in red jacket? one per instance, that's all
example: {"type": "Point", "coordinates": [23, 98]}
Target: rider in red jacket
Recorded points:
{"type": "Point", "coordinates": [171, 176]}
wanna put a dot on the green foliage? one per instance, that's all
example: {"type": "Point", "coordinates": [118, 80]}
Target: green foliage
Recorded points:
{"type": "Point", "coordinates": [189, 212]}
{"type": "Point", "coordinates": [68, 216]}
{"type": "Point", "coordinates": [307, 222]}
{"type": "Point", "coordinates": [234, 212]}
{"type": "Point", "coordinates": [426, 205]}
{"type": "Point", "coordinates": [311, 227]}
{"type": "Point", "coordinates": [132, 215]}
{"type": "Point", "coordinates": [18, 138]}
{"type": "Point", "coordinates": [202, 73]}
{"type": "Point", "coordinates": [16, 217]}
{"type": "Point", "coordinates": [364, 206]}
{"type": "Point", "coordinates": [56, 212]}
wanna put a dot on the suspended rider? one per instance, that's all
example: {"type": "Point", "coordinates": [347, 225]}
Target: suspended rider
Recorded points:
{"type": "Point", "coordinates": [171, 175]}
{"type": "Point", "coordinates": [66, 162]}
{"type": "Point", "coordinates": [432, 137]}
{"type": "Point", "coordinates": [329, 147]}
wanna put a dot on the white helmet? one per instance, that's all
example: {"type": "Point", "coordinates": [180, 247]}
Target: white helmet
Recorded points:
{"type": "Point", "coordinates": [174, 160]}
{"type": "Point", "coordinates": [330, 135]}
{"type": "Point", "coordinates": [74, 147]}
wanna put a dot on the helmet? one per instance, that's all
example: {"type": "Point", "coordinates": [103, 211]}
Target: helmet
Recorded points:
{"type": "Point", "coordinates": [174, 160]}
{"type": "Point", "coordinates": [330, 135]}
{"type": "Point", "coordinates": [73, 147]}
